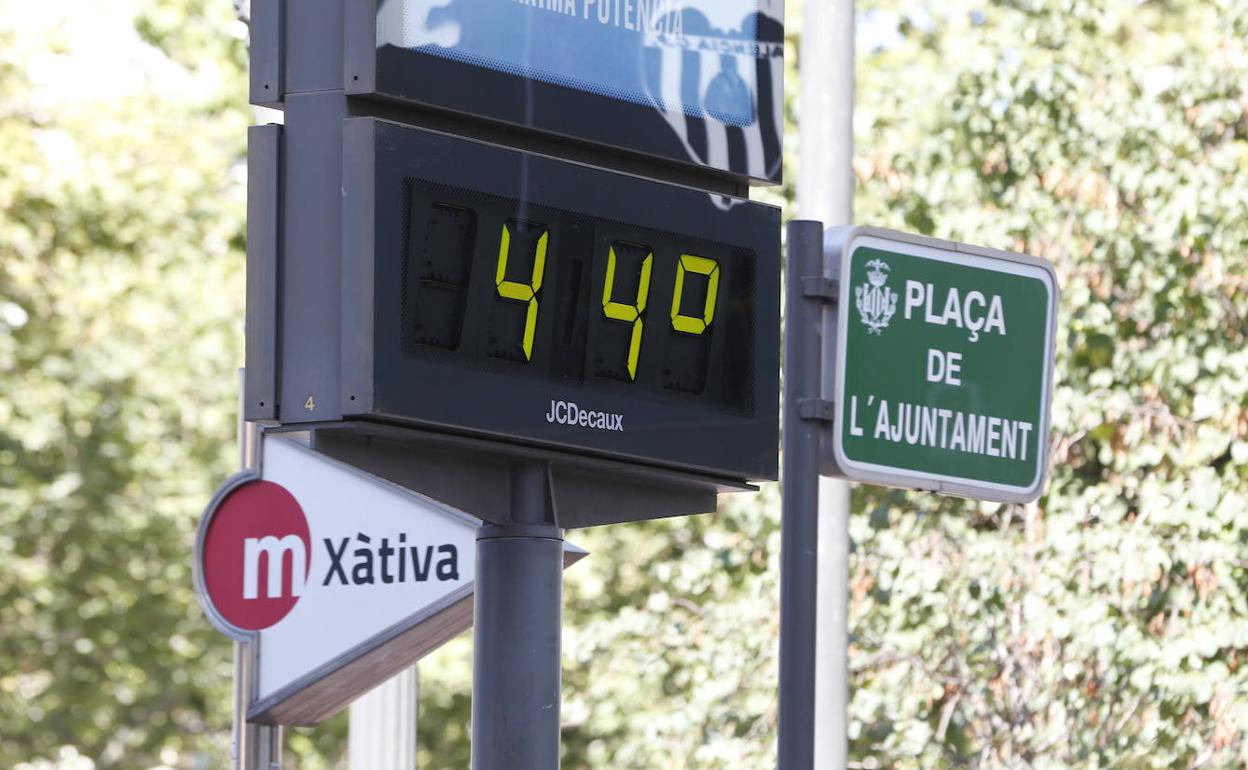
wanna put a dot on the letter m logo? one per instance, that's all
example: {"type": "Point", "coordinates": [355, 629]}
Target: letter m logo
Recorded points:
{"type": "Point", "coordinates": [274, 552]}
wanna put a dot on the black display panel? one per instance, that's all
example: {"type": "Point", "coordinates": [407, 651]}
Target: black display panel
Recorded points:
{"type": "Point", "coordinates": [570, 298]}
{"type": "Point", "coordinates": [698, 82]}
{"type": "Point", "coordinates": [547, 302]}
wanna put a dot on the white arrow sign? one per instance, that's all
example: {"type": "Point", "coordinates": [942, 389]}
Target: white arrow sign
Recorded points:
{"type": "Point", "coordinates": [335, 579]}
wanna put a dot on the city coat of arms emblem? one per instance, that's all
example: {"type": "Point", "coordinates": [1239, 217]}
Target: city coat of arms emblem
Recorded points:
{"type": "Point", "coordinates": [876, 302]}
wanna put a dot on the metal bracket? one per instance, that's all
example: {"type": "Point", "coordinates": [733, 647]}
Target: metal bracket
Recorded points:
{"type": "Point", "coordinates": [268, 53]}
{"type": "Point", "coordinates": [264, 153]}
{"type": "Point", "coordinates": [821, 287]}
{"type": "Point", "coordinates": [816, 409]}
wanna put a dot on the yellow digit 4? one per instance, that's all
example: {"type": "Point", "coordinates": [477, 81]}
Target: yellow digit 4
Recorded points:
{"type": "Point", "coordinates": [522, 292]}
{"type": "Point", "coordinates": [698, 266]}
{"type": "Point", "coordinates": [620, 311]}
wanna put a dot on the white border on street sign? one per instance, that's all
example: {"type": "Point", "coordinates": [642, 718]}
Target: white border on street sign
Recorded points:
{"type": "Point", "coordinates": [839, 245]}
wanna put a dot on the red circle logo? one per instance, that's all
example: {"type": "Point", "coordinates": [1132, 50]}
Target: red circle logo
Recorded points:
{"type": "Point", "coordinates": [256, 555]}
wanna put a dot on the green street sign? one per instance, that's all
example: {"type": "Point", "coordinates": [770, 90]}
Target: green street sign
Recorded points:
{"type": "Point", "coordinates": [943, 365]}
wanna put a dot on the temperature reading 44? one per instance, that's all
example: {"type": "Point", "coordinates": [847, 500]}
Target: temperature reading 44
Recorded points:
{"type": "Point", "coordinates": [503, 291]}
{"type": "Point", "coordinates": [495, 283]}
{"type": "Point", "coordinates": [625, 289]}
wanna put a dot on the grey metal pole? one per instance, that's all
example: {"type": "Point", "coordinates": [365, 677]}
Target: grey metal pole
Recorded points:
{"type": "Point", "coordinates": [825, 191]}
{"type": "Point", "coordinates": [799, 527]}
{"type": "Point", "coordinates": [253, 747]}
{"type": "Point", "coordinates": [517, 632]}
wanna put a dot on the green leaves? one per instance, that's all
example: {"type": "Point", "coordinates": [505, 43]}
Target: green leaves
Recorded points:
{"type": "Point", "coordinates": [120, 299]}
{"type": "Point", "coordinates": [1091, 142]}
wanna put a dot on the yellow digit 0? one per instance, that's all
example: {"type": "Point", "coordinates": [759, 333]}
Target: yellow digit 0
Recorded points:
{"type": "Point", "coordinates": [620, 311]}
{"type": "Point", "coordinates": [522, 292]}
{"type": "Point", "coordinates": [698, 266]}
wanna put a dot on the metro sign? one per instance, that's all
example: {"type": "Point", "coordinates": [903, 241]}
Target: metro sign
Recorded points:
{"type": "Point", "coordinates": [273, 531]}
{"type": "Point", "coordinates": [335, 579]}
{"type": "Point", "coordinates": [276, 568]}
{"type": "Point", "coordinates": [943, 365]}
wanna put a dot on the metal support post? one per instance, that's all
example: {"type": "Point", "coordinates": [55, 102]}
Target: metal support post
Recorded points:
{"type": "Point", "coordinates": [262, 747]}
{"type": "Point", "coordinates": [253, 747]}
{"type": "Point", "coordinates": [517, 631]}
{"type": "Point", "coordinates": [825, 191]}
{"type": "Point", "coordinates": [799, 568]}
{"type": "Point", "coordinates": [382, 732]}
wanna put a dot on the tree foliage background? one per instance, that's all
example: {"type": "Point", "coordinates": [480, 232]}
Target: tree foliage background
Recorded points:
{"type": "Point", "coordinates": [1104, 626]}
{"type": "Point", "coordinates": [121, 213]}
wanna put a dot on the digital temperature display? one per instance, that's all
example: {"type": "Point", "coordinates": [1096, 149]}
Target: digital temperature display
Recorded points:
{"type": "Point", "coordinates": [493, 283]}
{"type": "Point", "coordinates": [539, 301]}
